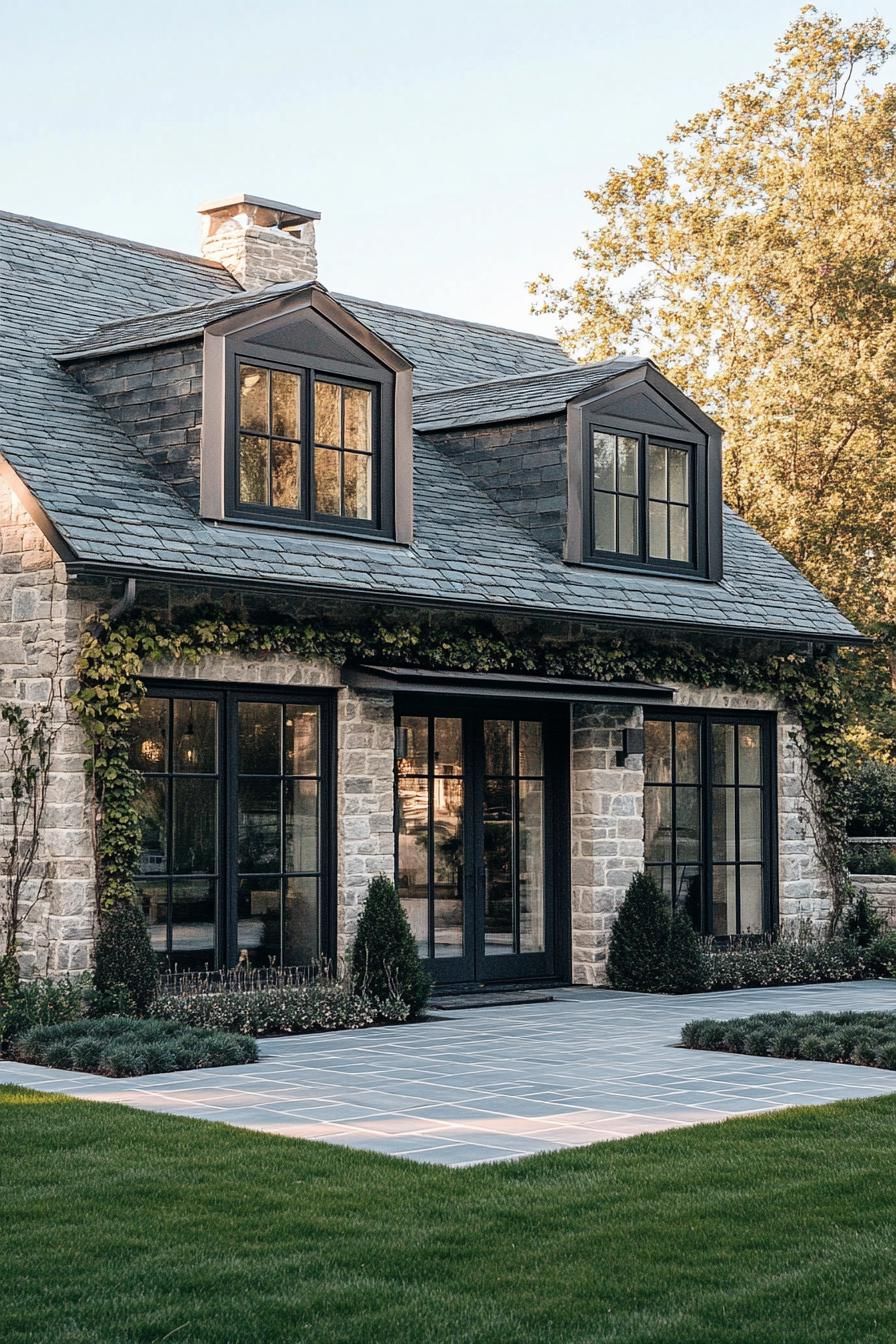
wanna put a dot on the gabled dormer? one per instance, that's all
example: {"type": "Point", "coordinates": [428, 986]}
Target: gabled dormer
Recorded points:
{"type": "Point", "coordinates": [644, 478]}
{"type": "Point", "coordinates": [609, 465]}
{"type": "Point", "coordinates": [272, 407]}
{"type": "Point", "coordinates": [306, 420]}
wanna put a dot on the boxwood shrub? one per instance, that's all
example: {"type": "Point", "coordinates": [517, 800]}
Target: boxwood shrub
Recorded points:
{"type": "Point", "coordinates": [839, 1038]}
{"type": "Point", "coordinates": [123, 1047]}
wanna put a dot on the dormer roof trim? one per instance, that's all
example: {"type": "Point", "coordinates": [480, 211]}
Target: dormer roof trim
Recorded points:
{"type": "Point", "coordinates": [233, 313]}
{"type": "Point", "coordinates": [246, 328]}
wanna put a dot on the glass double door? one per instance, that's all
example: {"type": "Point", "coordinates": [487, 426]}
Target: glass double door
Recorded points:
{"type": "Point", "coordinates": [476, 821]}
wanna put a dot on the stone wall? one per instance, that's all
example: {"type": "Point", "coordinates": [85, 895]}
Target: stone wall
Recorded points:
{"type": "Point", "coordinates": [156, 397]}
{"type": "Point", "coordinates": [522, 466]}
{"type": "Point", "coordinates": [881, 889]}
{"type": "Point", "coordinates": [608, 823]}
{"type": "Point", "coordinates": [41, 625]}
{"type": "Point", "coordinates": [42, 619]}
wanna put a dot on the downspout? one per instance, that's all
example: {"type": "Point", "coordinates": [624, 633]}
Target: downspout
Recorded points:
{"type": "Point", "coordinates": [125, 602]}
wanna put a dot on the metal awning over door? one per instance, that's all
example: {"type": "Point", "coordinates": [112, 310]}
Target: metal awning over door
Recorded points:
{"type": "Point", "coordinates": [503, 685]}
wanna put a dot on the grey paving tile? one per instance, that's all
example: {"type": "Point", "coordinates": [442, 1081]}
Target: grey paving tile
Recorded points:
{"type": "Point", "coordinates": [473, 1087]}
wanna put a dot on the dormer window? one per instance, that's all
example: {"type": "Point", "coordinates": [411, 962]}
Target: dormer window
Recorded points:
{"type": "Point", "coordinates": [641, 498]}
{"type": "Point", "coordinates": [306, 444]}
{"type": "Point", "coordinates": [343, 450]}
{"type": "Point", "coordinates": [270, 448]}
{"type": "Point", "coordinates": [306, 422]}
{"type": "Point", "coordinates": [645, 479]}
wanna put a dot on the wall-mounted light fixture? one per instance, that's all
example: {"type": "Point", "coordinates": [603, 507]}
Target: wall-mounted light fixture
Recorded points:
{"type": "Point", "coordinates": [632, 744]}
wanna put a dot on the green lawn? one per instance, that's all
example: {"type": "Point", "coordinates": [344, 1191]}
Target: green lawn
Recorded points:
{"type": "Point", "coordinates": [120, 1226]}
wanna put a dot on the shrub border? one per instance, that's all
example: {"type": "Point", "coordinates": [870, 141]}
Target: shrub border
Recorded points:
{"type": "Point", "coordinates": [853, 1038]}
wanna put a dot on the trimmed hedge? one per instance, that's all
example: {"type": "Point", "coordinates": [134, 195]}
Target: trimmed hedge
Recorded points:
{"type": "Point", "coordinates": [870, 799]}
{"type": "Point", "coordinates": [125, 974]}
{"type": "Point", "coordinates": [320, 1005]}
{"type": "Point", "coordinates": [124, 1047]}
{"type": "Point", "coordinates": [755, 964]}
{"type": "Point", "coordinates": [838, 1038]}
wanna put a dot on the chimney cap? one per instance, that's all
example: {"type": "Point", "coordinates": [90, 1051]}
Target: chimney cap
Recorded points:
{"type": "Point", "coordinates": [290, 215]}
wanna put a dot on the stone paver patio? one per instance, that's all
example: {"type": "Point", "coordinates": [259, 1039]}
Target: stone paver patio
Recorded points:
{"type": "Point", "coordinates": [494, 1083]}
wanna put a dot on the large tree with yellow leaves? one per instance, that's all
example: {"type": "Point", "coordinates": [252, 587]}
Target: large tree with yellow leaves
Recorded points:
{"type": "Point", "coordinates": [754, 260]}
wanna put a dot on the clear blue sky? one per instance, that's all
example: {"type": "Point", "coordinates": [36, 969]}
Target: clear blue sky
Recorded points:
{"type": "Point", "coordinates": [447, 146]}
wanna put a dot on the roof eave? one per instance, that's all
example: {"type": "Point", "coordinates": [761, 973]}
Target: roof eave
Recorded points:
{"type": "Point", "coordinates": [119, 569]}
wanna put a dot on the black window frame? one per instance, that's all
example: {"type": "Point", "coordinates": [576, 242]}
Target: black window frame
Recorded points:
{"type": "Point", "coordinates": [698, 566]}
{"type": "Point", "coordinates": [767, 722]}
{"type": "Point", "coordinates": [227, 698]}
{"type": "Point", "coordinates": [381, 388]}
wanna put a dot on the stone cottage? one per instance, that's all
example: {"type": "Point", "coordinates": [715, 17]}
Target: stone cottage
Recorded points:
{"type": "Point", "coordinates": [509, 561]}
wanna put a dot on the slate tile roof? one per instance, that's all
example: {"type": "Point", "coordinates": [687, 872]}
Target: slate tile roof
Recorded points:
{"type": "Point", "coordinates": [519, 398]}
{"type": "Point", "coordinates": [114, 515]}
{"type": "Point", "coordinates": [442, 349]}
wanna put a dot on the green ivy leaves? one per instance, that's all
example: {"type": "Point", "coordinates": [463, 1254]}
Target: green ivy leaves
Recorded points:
{"type": "Point", "coordinates": [113, 656]}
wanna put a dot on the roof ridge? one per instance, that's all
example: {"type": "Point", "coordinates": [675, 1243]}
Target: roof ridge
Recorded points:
{"type": "Point", "coordinates": [531, 377]}
{"type": "Point", "coordinates": [54, 227]}
{"type": "Point", "coordinates": [442, 317]}
{"type": "Point", "coordinates": [250, 295]}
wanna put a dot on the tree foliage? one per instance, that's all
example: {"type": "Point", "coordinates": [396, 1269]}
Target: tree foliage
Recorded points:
{"type": "Point", "coordinates": [753, 259]}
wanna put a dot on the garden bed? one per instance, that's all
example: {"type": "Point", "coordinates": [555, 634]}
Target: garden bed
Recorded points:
{"type": "Point", "coordinates": [286, 1009]}
{"type": "Point", "coordinates": [125, 1047]}
{"type": "Point", "coordinates": [867, 1039]}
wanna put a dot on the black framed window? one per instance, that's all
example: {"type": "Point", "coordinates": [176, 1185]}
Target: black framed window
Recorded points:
{"type": "Point", "coordinates": [429, 770]}
{"type": "Point", "coordinates": [307, 446]}
{"type": "Point", "coordinates": [709, 818]}
{"type": "Point", "coordinates": [270, 442]}
{"type": "Point", "coordinates": [514, 836]}
{"type": "Point", "coordinates": [343, 450]}
{"type": "Point", "coordinates": [278, 830]}
{"type": "Point", "coordinates": [668, 502]}
{"type": "Point", "coordinates": [641, 500]}
{"type": "Point", "coordinates": [175, 743]}
{"type": "Point", "coordinates": [616, 476]}
{"type": "Point", "coordinates": [236, 815]}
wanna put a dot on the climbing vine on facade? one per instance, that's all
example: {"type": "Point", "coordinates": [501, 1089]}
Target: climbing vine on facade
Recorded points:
{"type": "Point", "coordinates": [114, 654]}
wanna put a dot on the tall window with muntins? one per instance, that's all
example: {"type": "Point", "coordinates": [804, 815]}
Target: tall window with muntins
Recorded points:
{"type": "Point", "coordinates": [640, 500]}
{"type": "Point", "coordinates": [706, 819]}
{"type": "Point", "coordinates": [278, 832]}
{"type": "Point", "coordinates": [429, 812]}
{"type": "Point", "coordinates": [306, 446]}
{"type": "Point", "coordinates": [668, 509]}
{"type": "Point", "coordinates": [514, 837]}
{"type": "Point", "coordinates": [233, 824]}
{"type": "Point", "coordinates": [615, 466]}
{"type": "Point", "coordinates": [738, 855]}
{"type": "Point", "coordinates": [270, 437]}
{"type": "Point", "coordinates": [343, 451]}
{"type": "Point", "coordinates": [175, 746]}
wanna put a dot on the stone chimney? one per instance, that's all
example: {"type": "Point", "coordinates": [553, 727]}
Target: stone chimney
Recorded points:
{"type": "Point", "coordinates": [260, 242]}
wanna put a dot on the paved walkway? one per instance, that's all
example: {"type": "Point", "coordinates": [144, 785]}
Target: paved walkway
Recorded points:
{"type": "Point", "coordinates": [485, 1084]}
